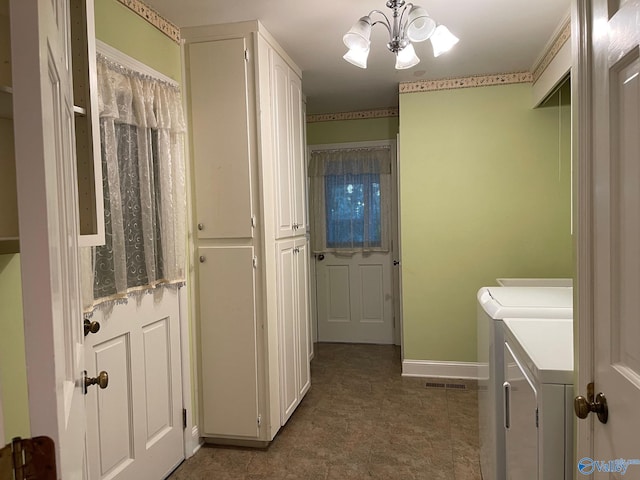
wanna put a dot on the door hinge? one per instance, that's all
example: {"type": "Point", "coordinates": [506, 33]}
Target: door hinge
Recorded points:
{"type": "Point", "coordinates": [184, 418]}
{"type": "Point", "coordinates": [537, 419]}
{"type": "Point", "coordinates": [259, 420]}
{"type": "Point", "coordinates": [255, 262]}
{"type": "Point", "coordinates": [246, 55]}
{"type": "Point", "coordinates": [29, 458]}
{"type": "Point", "coordinates": [253, 221]}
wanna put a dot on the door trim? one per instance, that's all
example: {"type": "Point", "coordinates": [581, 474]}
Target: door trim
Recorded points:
{"type": "Point", "coordinates": [395, 230]}
{"type": "Point", "coordinates": [582, 113]}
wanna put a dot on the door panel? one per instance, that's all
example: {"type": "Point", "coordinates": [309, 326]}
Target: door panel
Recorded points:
{"type": "Point", "coordinates": [355, 298]}
{"type": "Point", "coordinates": [134, 427]}
{"type": "Point", "coordinates": [157, 366]}
{"type": "Point", "coordinates": [114, 407]}
{"type": "Point", "coordinates": [298, 164]}
{"type": "Point", "coordinates": [617, 226]}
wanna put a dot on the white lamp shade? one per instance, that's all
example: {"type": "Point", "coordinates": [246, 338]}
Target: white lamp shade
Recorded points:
{"type": "Point", "coordinates": [420, 26]}
{"type": "Point", "coordinates": [442, 40]}
{"type": "Point", "coordinates": [357, 57]}
{"type": "Point", "coordinates": [406, 58]}
{"type": "Point", "coordinates": [358, 36]}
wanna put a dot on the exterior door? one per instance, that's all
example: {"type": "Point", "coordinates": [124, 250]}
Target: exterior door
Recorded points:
{"type": "Point", "coordinates": [355, 298]}
{"type": "Point", "coordinates": [134, 427]}
{"type": "Point", "coordinates": [615, 244]}
{"type": "Point", "coordinates": [48, 219]}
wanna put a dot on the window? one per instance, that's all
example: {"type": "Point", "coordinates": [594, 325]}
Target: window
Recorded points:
{"type": "Point", "coordinates": [353, 210]}
{"type": "Point", "coordinates": [350, 199]}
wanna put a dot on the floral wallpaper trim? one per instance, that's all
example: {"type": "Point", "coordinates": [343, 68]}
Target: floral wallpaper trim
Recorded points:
{"type": "Point", "coordinates": [465, 82]}
{"type": "Point", "coordinates": [330, 117]}
{"type": "Point", "coordinates": [558, 43]}
{"type": "Point", "coordinates": [154, 18]}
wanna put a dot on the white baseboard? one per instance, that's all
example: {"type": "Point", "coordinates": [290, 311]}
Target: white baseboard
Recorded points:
{"type": "Point", "coordinates": [196, 441]}
{"type": "Point", "coordinates": [437, 369]}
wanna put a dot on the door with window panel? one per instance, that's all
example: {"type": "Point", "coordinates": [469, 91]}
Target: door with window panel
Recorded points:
{"type": "Point", "coordinates": [354, 263]}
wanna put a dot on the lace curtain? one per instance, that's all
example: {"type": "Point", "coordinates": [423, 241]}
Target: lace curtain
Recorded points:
{"type": "Point", "coordinates": [142, 132]}
{"type": "Point", "coordinates": [350, 200]}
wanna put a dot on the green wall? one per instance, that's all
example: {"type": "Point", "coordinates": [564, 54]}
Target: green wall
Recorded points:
{"type": "Point", "coordinates": [485, 193]}
{"type": "Point", "coordinates": [343, 131]}
{"type": "Point", "coordinates": [121, 28]}
{"type": "Point", "coordinates": [13, 374]}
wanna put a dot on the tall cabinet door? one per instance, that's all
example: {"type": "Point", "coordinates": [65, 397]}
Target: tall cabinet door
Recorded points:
{"type": "Point", "coordinates": [228, 335]}
{"type": "Point", "coordinates": [287, 329]}
{"type": "Point", "coordinates": [282, 147]}
{"type": "Point", "coordinates": [301, 254]}
{"type": "Point", "coordinates": [221, 148]}
{"type": "Point", "coordinates": [298, 165]}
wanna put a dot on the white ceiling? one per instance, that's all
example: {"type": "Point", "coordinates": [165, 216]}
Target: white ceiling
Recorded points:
{"type": "Point", "coordinates": [496, 36]}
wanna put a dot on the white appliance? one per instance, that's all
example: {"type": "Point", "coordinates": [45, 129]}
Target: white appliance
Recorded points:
{"type": "Point", "coordinates": [494, 305]}
{"type": "Point", "coordinates": [535, 282]}
{"type": "Point", "coordinates": [538, 399]}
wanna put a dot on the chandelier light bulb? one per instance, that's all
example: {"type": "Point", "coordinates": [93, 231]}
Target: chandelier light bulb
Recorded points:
{"type": "Point", "coordinates": [411, 23]}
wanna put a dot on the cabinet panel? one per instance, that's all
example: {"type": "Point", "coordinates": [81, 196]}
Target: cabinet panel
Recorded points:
{"type": "Point", "coordinates": [302, 297]}
{"type": "Point", "coordinates": [228, 341]}
{"type": "Point", "coordinates": [284, 175]}
{"type": "Point", "coordinates": [287, 331]}
{"type": "Point", "coordinates": [298, 165]}
{"type": "Point", "coordinates": [220, 135]}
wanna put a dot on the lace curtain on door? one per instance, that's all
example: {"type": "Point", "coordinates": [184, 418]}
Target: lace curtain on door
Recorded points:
{"type": "Point", "coordinates": [350, 199]}
{"type": "Point", "coordinates": [142, 132]}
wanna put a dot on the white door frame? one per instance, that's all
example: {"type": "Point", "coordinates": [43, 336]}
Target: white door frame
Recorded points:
{"type": "Point", "coordinates": [582, 114]}
{"type": "Point", "coordinates": [395, 230]}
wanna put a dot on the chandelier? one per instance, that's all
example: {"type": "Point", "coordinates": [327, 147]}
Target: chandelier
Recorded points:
{"type": "Point", "coordinates": [411, 23]}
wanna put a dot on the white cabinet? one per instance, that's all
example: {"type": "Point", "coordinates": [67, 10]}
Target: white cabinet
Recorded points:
{"type": "Point", "coordinates": [293, 323]}
{"type": "Point", "coordinates": [246, 125]}
{"type": "Point", "coordinates": [291, 214]}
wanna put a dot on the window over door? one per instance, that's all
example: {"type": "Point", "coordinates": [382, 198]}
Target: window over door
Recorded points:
{"type": "Point", "coordinates": [350, 199]}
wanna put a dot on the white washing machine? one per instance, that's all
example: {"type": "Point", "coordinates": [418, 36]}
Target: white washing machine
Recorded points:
{"type": "Point", "coordinates": [494, 305]}
{"type": "Point", "coordinates": [538, 399]}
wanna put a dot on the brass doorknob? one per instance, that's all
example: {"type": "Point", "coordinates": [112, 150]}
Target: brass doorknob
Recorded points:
{"type": "Point", "coordinates": [102, 380]}
{"type": "Point", "coordinates": [598, 404]}
{"type": "Point", "coordinates": [91, 327]}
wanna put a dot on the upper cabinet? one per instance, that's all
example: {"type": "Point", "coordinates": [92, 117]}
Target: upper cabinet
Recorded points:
{"type": "Point", "coordinates": [291, 214]}
{"type": "Point", "coordinates": [89, 169]}
{"type": "Point", "coordinates": [220, 133]}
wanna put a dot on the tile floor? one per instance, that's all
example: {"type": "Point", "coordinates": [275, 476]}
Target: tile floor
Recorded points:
{"type": "Point", "coordinates": [360, 420]}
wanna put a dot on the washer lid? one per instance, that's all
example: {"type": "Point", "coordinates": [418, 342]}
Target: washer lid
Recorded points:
{"type": "Point", "coordinates": [527, 302]}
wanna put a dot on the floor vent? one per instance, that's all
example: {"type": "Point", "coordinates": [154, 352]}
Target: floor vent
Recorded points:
{"type": "Point", "coordinates": [448, 386]}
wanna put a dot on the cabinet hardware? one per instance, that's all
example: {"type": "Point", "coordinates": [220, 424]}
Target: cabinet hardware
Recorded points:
{"type": "Point", "coordinates": [201, 226]}
{"type": "Point", "coordinates": [255, 262]}
{"type": "Point", "coordinates": [203, 259]}
{"type": "Point", "coordinates": [253, 221]}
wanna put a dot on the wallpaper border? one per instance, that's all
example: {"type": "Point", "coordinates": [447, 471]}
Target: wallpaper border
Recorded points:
{"type": "Point", "coordinates": [154, 18]}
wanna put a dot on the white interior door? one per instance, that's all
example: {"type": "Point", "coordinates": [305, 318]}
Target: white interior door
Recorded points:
{"type": "Point", "coordinates": [48, 218]}
{"type": "Point", "coordinates": [355, 298]}
{"type": "Point", "coordinates": [616, 231]}
{"type": "Point", "coordinates": [134, 427]}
